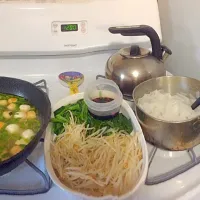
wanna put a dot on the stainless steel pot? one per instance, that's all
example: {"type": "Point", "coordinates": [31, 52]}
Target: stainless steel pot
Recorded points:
{"type": "Point", "coordinates": [168, 135]}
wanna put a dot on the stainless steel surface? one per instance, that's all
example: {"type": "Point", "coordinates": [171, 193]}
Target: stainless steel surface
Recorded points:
{"type": "Point", "coordinates": [169, 135]}
{"type": "Point", "coordinates": [128, 72]}
{"type": "Point", "coordinates": [133, 65]}
{"type": "Point", "coordinates": [125, 52]}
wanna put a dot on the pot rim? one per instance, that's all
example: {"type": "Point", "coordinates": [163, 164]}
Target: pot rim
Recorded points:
{"type": "Point", "coordinates": [161, 120]}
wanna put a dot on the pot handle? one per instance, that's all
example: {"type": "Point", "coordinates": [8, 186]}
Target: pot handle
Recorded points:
{"type": "Point", "coordinates": [157, 49]}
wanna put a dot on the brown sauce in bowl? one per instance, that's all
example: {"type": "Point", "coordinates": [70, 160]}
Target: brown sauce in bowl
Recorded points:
{"type": "Point", "coordinates": [102, 99]}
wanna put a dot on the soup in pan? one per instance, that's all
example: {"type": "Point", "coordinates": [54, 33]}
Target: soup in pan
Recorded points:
{"type": "Point", "coordinates": [19, 123]}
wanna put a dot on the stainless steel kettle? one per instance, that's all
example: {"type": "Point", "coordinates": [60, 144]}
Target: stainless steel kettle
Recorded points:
{"type": "Point", "coordinates": [132, 65]}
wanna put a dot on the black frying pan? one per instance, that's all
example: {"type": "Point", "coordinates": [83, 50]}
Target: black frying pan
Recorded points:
{"type": "Point", "coordinates": [37, 98]}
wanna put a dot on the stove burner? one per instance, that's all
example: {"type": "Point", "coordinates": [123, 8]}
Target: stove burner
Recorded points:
{"type": "Point", "coordinates": [42, 84]}
{"type": "Point", "coordinates": [45, 177]}
{"type": "Point", "coordinates": [172, 173]}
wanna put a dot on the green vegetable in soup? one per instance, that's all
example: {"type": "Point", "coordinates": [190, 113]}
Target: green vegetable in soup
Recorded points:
{"type": "Point", "coordinates": [19, 123]}
{"type": "Point", "coordinates": [33, 124]}
{"type": "Point", "coordinates": [80, 112]}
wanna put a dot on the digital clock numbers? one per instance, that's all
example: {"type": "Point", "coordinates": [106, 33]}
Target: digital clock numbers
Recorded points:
{"type": "Point", "coordinates": [69, 27]}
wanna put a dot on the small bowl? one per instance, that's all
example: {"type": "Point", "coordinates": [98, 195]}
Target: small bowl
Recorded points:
{"type": "Point", "coordinates": [103, 98]}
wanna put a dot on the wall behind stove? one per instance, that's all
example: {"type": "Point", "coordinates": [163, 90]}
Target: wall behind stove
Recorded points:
{"type": "Point", "coordinates": [180, 21]}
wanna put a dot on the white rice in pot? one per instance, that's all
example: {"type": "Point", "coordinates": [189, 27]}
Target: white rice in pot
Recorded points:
{"type": "Point", "coordinates": [165, 106]}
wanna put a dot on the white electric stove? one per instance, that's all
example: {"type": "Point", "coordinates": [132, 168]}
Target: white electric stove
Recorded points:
{"type": "Point", "coordinates": [36, 44]}
{"type": "Point", "coordinates": [183, 187]}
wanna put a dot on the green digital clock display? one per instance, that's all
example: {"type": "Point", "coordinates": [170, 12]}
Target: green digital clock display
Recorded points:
{"type": "Point", "coordinates": [69, 27]}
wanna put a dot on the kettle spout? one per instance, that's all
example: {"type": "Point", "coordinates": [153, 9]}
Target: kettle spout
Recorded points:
{"type": "Point", "coordinates": [166, 52]}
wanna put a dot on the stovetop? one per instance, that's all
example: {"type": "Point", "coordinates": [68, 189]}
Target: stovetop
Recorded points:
{"type": "Point", "coordinates": [92, 65]}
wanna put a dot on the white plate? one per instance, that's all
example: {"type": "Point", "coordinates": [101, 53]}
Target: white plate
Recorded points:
{"type": "Point", "coordinates": [128, 112]}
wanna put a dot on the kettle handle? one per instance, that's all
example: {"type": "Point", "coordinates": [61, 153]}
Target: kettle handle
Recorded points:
{"type": "Point", "coordinates": [157, 50]}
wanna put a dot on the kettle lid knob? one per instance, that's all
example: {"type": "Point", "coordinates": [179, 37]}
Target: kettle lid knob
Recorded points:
{"type": "Point", "coordinates": [135, 50]}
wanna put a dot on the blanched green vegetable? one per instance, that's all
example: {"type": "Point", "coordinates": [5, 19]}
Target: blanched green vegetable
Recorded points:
{"type": "Point", "coordinates": [81, 114]}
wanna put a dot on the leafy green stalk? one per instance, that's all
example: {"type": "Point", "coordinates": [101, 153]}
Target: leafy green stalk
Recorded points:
{"type": "Point", "coordinates": [81, 114]}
